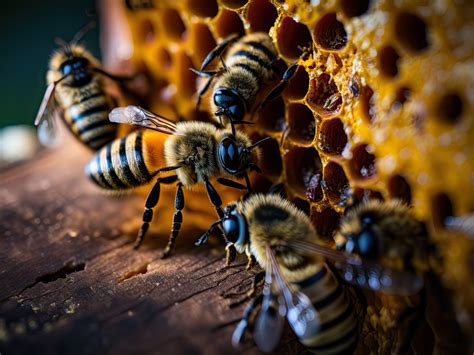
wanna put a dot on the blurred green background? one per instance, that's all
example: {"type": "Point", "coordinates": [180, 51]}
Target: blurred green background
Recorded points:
{"type": "Point", "coordinates": [27, 32]}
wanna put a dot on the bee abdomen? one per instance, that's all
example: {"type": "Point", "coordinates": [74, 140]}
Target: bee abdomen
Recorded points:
{"type": "Point", "coordinates": [338, 330]}
{"type": "Point", "coordinates": [89, 121]}
{"type": "Point", "coordinates": [120, 164]}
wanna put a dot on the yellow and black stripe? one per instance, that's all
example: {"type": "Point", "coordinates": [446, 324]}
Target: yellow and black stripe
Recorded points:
{"type": "Point", "coordinates": [255, 54]}
{"type": "Point", "coordinates": [88, 119]}
{"type": "Point", "coordinates": [120, 164]}
{"type": "Point", "coordinates": [338, 331]}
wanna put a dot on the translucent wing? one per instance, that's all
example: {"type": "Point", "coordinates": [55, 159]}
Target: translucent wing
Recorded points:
{"type": "Point", "coordinates": [301, 315]}
{"type": "Point", "coordinates": [134, 115]}
{"type": "Point", "coordinates": [45, 118]}
{"type": "Point", "coordinates": [366, 273]}
{"type": "Point", "coordinates": [463, 224]}
{"type": "Point", "coordinates": [270, 321]}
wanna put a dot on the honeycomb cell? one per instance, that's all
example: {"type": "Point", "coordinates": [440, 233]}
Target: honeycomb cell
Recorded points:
{"type": "Point", "coordinates": [172, 24]}
{"type": "Point", "coordinates": [441, 208]}
{"type": "Point", "coordinates": [301, 165]}
{"type": "Point", "coordinates": [410, 31]}
{"type": "Point", "coordinates": [302, 205]}
{"type": "Point", "coordinates": [399, 188]}
{"type": "Point", "coordinates": [402, 94]}
{"type": "Point", "coordinates": [388, 61]}
{"type": "Point", "coordinates": [450, 108]}
{"type": "Point", "coordinates": [329, 33]}
{"type": "Point", "coordinates": [185, 79]}
{"type": "Point", "coordinates": [298, 85]}
{"type": "Point", "coordinates": [203, 8]}
{"type": "Point", "coordinates": [324, 96]}
{"type": "Point", "coordinates": [302, 124]}
{"type": "Point", "coordinates": [234, 4]}
{"type": "Point", "coordinates": [272, 117]}
{"type": "Point", "coordinates": [332, 138]}
{"type": "Point", "coordinates": [227, 23]}
{"type": "Point", "coordinates": [354, 8]}
{"type": "Point", "coordinates": [291, 37]}
{"type": "Point", "coordinates": [367, 104]}
{"type": "Point", "coordinates": [362, 164]}
{"type": "Point", "coordinates": [146, 31]}
{"type": "Point", "coordinates": [261, 15]}
{"type": "Point", "coordinates": [338, 188]}
{"type": "Point", "coordinates": [326, 222]}
{"type": "Point", "coordinates": [271, 163]}
{"type": "Point", "coordinates": [202, 41]}
{"type": "Point", "coordinates": [163, 57]}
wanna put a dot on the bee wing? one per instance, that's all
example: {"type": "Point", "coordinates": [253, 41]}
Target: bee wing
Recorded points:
{"type": "Point", "coordinates": [135, 115]}
{"type": "Point", "coordinates": [270, 321]}
{"type": "Point", "coordinates": [46, 118]}
{"type": "Point", "coordinates": [366, 273]}
{"type": "Point", "coordinates": [463, 224]}
{"type": "Point", "coordinates": [300, 312]}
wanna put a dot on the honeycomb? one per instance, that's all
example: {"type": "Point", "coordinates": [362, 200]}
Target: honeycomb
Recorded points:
{"type": "Point", "coordinates": [383, 106]}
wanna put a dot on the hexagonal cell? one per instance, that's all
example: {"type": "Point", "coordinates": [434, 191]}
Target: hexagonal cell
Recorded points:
{"type": "Point", "coordinates": [410, 31]}
{"type": "Point", "coordinates": [329, 33]}
{"type": "Point", "coordinates": [291, 36]}
{"type": "Point", "coordinates": [450, 107]}
{"type": "Point", "coordinates": [202, 41]}
{"type": "Point", "coordinates": [367, 104]}
{"type": "Point", "coordinates": [234, 4]}
{"type": "Point", "coordinates": [272, 117]}
{"type": "Point", "coordinates": [270, 161]}
{"type": "Point", "coordinates": [338, 188]}
{"type": "Point", "coordinates": [302, 124]}
{"type": "Point", "coordinates": [332, 138]}
{"type": "Point", "coordinates": [227, 23]}
{"type": "Point", "coordinates": [388, 61]}
{"type": "Point", "coordinates": [163, 57]}
{"type": "Point", "coordinates": [354, 8]}
{"type": "Point", "coordinates": [298, 85]}
{"type": "Point", "coordinates": [146, 31]}
{"type": "Point", "coordinates": [302, 205]}
{"type": "Point", "coordinates": [399, 188]}
{"type": "Point", "coordinates": [203, 8]}
{"type": "Point", "coordinates": [172, 24]}
{"type": "Point", "coordinates": [185, 79]}
{"type": "Point", "coordinates": [261, 15]}
{"type": "Point", "coordinates": [441, 208]}
{"type": "Point", "coordinates": [324, 96]}
{"type": "Point", "coordinates": [301, 165]}
{"type": "Point", "coordinates": [362, 164]}
{"type": "Point", "coordinates": [326, 222]}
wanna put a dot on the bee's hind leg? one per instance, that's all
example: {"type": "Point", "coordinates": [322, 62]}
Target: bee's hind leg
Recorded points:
{"type": "Point", "coordinates": [246, 323]}
{"type": "Point", "coordinates": [177, 220]}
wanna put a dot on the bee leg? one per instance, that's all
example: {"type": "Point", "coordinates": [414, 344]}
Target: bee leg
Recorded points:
{"type": "Point", "coordinates": [277, 90]}
{"type": "Point", "coordinates": [203, 91]}
{"type": "Point", "coordinates": [250, 259]}
{"type": "Point", "coordinates": [177, 220]}
{"type": "Point", "coordinates": [214, 198]}
{"type": "Point", "coordinates": [247, 320]}
{"type": "Point", "coordinates": [118, 78]}
{"type": "Point", "coordinates": [151, 202]}
{"type": "Point", "coordinates": [218, 50]}
{"type": "Point", "coordinates": [231, 254]}
{"type": "Point", "coordinates": [259, 276]}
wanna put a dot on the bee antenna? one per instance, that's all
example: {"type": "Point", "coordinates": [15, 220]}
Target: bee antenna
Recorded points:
{"type": "Point", "coordinates": [261, 141]}
{"type": "Point", "coordinates": [78, 36]}
{"type": "Point", "coordinates": [203, 239]}
{"type": "Point", "coordinates": [64, 45]}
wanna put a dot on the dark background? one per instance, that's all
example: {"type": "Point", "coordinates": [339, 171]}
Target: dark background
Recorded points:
{"type": "Point", "coordinates": [27, 32]}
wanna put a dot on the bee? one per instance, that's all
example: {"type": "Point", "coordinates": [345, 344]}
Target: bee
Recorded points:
{"type": "Point", "coordinates": [76, 90]}
{"type": "Point", "coordinates": [299, 283]}
{"type": "Point", "coordinates": [248, 65]}
{"type": "Point", "coordinates": [196, 151]}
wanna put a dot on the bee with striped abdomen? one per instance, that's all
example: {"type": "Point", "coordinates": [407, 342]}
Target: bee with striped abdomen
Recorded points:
{"type": "Point", "coordinates": [196, 151]}
{"type": "Point", "coordinates": [247, 66]}
{"type": "Point", "coordinates": [76, 89]}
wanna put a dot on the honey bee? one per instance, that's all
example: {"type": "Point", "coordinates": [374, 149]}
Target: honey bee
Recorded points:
{"type": "Point", "coordinates": [196, 151]}
{"type": "Point", "coordinates": [248, 65]}
{"type": "Point", "coordinates": [299, 284]}
{"type": "Point", "coordinates": [76, 91]}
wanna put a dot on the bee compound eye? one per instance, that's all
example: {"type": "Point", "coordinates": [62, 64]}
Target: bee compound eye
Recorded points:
{"type": "Point", "coordinates": [237, 111]}
{"type": "Point", "coordinates": [66, 68]}
{"type": "Point", "coordinates": [367, 244]}
{"type": "Point", "coordinates": [229, 157]}
{"type": "Point", "coordinates": [231, 229]}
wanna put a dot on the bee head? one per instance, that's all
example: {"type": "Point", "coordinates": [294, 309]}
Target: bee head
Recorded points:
{"type": "Point", "coordinates": [235, 226]}
{"type": "Point", "coordinates": [232, 155]}
{"type": "Point", "coordinates": [230, 104]}
{"type": "Point", "coordinates": [364, 242]}
{"type": "Point", "coordinates": [76, 66]}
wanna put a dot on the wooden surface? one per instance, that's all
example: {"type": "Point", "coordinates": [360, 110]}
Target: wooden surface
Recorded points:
{"type": "Point", "coordinates": [71, 283]}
